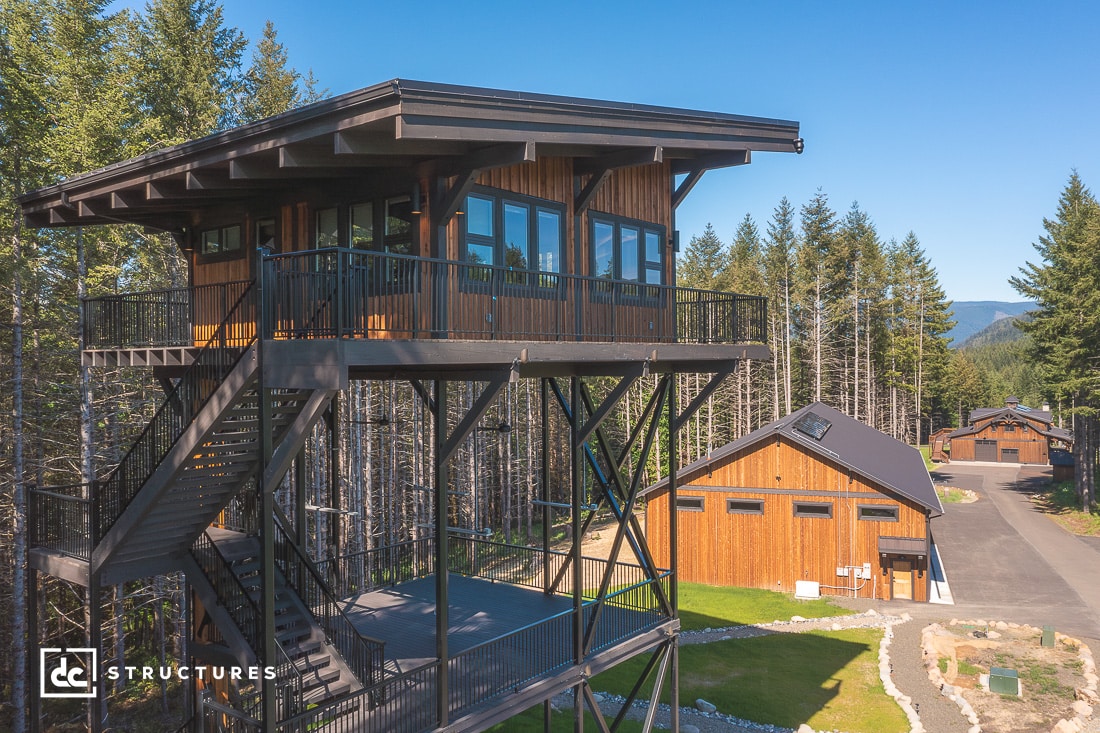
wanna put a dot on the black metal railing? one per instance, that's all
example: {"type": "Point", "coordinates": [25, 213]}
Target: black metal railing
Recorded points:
{"type": "Point", "coordinates": [80, 524]}
{"type": "Point", "coordinates": [212, 365]}
{"type": "Point", "coordinates": [344, 293]}
{"type": "Point", "coordinates": [154, 318]}
{"type": "Point", "coordinates": [363, 655]}
{"type": "Point", "coordinates": [61, 518]}
{"type": "Point", "coordinates": [403, 703]}
{"type": "Point", "coordinates": [368, 570]}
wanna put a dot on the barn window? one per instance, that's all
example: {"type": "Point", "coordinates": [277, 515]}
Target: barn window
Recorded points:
{"type": "Point", "coordinates": [690, 503]}
{"type": "Point", "coordinates": [1010, 428]}
{"type": "Point", "coordinates": [813, 509]}
{"type": "Point", "coordinates": [745, 506]}
{"type": "Point", "coordinates": [878, 513]}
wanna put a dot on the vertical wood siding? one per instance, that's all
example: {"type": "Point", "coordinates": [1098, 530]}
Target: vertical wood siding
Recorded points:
{"type": "Point", "coordinates": [774, 549]}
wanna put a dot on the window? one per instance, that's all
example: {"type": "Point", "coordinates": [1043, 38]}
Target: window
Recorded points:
{"type": "Point", "coordinates": [744, 506]}
{"type": "Point", "coordinates": [328, 230]}
{"type": "Point", "coordinates": [513, 231]}
{"type": "Point", "coordinates": [361, 225]}
{"type": "Point", "coordinates": [626, 249]}
{"type": "Point", "coordinates": [1010, 428]}
{"type": "Point", "coordinates": [265, 233]}
{"type": "Point", "coordinates": [878, 513]}
{"type": "Point", "coordinates": [813, 509]}
{"type": "Point", "coordinates": [397, 235]}
{"type": "Point", "coordinates": [221, 241]}
{"type": "Point", "coordinates": [690, 503]}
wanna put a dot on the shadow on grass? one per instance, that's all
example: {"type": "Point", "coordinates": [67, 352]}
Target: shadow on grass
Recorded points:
{"type": "Point", "coordinates": [782, 679]}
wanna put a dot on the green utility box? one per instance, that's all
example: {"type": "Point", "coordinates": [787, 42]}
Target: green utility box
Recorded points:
{"type": "Point", "coordinates": [1048, 636]}
{"type": "Point", "coordinates": [1004, 681]}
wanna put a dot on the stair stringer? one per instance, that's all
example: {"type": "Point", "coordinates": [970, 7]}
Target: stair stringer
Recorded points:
{"type": "Point", "coordinates": [234, 639]}
{"type": "Point", "coordinates": [161, 480]}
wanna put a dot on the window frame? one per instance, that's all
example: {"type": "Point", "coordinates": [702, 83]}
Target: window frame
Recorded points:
{"type": "Point", "coordinates": [759, 503]}
{"type": "Point", "coordinates": [643, 264]}
{"type": "Point", "coordinates": [545, 281]}
{"type": "Point", "coordinates": [894, 509]}
{"type": "Point", "coordinates": [221, 254]}
{"type": "Point", "coordinates": [812, 514]}
{"type": "Point", "coordinates": [685, 503]}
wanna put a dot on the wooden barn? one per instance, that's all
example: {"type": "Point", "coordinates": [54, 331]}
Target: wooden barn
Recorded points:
{"type": "Point", "coordinates": [450, 240]}
{"type": "Point", "coordinates": [1010, 434]}
{"type": "Point", "coordinates": [814, 502]}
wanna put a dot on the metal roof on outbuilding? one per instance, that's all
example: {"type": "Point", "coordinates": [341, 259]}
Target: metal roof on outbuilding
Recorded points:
{"type": "Point", "coordinates": [871, 453]}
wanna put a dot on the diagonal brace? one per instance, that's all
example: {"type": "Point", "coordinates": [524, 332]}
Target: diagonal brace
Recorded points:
{"type": "Point", "coordinates": [473, 416]}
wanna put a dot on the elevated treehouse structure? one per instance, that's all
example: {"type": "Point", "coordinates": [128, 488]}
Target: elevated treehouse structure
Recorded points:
{"type": "Point", "coordinates": [436, 235]}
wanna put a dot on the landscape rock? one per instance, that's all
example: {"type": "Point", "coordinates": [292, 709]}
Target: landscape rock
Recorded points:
{"type": "Point", "coordinates": [804, 729]}
{"type": "Point", "coordinates": [1082, 708]}
{"type": "Point", "coordinates": [1087, 695]}
{"type": "Point", "coordinates": [704, 706]}
{"type": "Point", "coordinates": [688, 728]}
{"type": "Point", "coordinates": [1066, 726]}
{"type": "Point", "coordinates": [797, 618]}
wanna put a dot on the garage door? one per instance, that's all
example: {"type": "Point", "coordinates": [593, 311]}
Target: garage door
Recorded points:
{"type": "Point", "coordinates": [985, 450]}
{"type": "Point", "coordinates": [1010, 455]}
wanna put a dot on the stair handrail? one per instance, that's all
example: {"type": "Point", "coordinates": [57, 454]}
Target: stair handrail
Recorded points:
{"type": "Point", "coordinates": [232, 595]}
{"type": "Point", "coordinates": [364, 655]}
{"type": "Point", "coordinates": [211, 366]}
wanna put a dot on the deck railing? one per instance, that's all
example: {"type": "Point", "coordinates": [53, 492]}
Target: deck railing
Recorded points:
{"type": "Point", "coordinates": [61, 518]}
{"type": "Point", "coordinates": [363, 655]}
{"type": "Point", "coordinates": [155, 318]}
{"type": "Point", "coordinates": [353, 294]}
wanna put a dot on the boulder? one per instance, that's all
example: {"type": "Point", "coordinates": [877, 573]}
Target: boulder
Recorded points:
{"type": "Point", "coordinates": [704, 706]}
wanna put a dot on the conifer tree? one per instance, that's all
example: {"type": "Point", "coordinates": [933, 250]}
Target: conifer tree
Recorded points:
{"type": "Point", "coordinates": [1065, 328]}
{"type": "Point", "coordinates": [778, 264]}
{"type": "Point", "coordinates": [702, 264]}
{"type": "Point", "coordinates": [270, 85]}
{"type": "Point", "coordinates": [817, 291]}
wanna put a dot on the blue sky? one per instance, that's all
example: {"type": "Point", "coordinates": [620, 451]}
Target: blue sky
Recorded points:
{"type": "Point", "coordinates": [958, 121]}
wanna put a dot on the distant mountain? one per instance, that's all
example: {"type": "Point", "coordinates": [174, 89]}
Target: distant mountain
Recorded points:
{"type": "Point", "coordinates": [974, 315]}
{"type": "Point", "coordinates": [1001, 331]}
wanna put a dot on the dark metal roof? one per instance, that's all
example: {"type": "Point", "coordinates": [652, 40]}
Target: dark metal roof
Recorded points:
{"type": "Point", "coordinates": [403, 129]}
{"type": "Point", "coordinates": [872, 454]}
{"type": "Point", "coordinates": [984, 413]}
{"type": "Point", "coordinates": [1040, 420]}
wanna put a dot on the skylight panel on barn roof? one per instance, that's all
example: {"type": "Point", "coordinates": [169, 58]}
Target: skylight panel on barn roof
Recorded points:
{"type": "Point", "coordinates": [813, 425]}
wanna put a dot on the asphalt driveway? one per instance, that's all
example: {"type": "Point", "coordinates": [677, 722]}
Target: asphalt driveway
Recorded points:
{"type": "Point", "coordinates": [1006, 560]}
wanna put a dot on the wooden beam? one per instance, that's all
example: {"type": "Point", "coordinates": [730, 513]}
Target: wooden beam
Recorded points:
{"type": "Point", "coordinates": [124, 200]}
{"type": "Point", "coordinates": [685, 186]}
{"type": "Point", "coordinates": [351, 142]}
{"type": "Point", "coordinates": [312, 156]}
{"type": "Point", "coordinates": [584, 198]}
{"type": "Point", "coordinates": [454, 197]}
{"type": "Point", "coordinates": [628, 158]}
{"type": "Point", "coordinates": [706, 161]}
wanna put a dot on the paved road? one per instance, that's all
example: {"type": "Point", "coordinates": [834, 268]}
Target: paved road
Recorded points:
{"type": "Point", "coordinates": [1004, 559]}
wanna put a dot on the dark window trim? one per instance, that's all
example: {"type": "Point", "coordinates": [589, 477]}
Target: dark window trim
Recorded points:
{"type": "Point", "coordinates": [812, 514]}
{"type": "Point", "coordinates": [860, 508]}
{"type": "Point", "coordinates": [758, 503]}
{"type": "Point", "coordinates": [618, 222]}
{"type": "Point", "coordinates": [545, 285]}
{"type": "Point", "coordinates": [691, 503]}
{"type": "Point", "coordinates": [229, 254]}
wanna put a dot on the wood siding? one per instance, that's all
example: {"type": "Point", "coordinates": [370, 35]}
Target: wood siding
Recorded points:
{"type": "Point", "coordinates": [774, 549]}
{"type": "Point", "coordinates": [1023, 442]}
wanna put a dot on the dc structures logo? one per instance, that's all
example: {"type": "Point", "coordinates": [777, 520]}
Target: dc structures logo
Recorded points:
{"type": "Point", "coordinates": [68, 673]}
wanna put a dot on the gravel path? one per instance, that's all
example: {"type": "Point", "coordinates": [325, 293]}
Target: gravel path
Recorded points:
{"type": "Point", "coordinates": [937, 713]}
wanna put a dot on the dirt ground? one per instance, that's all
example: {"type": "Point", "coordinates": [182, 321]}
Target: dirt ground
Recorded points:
{"type": "Point", "coordinates": [1048, 676]}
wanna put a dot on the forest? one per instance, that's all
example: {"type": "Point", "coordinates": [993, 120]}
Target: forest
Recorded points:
{"type": "Point", "coordinates": [854, 321]}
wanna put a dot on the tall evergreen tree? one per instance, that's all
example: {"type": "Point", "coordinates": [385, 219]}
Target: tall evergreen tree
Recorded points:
{"type": "Point", "coordinates": [189, 65]}
{"type": "Point", "coordinates": [818, 285]}
{"type": "Point", "coordinates": [778, 263]}
{"type": "Point", "coordinates": [1065, 328]}
{"type": "Point", "coordinates": [270, 85]}
{"type": "Point", "coordinates": [704, 261]}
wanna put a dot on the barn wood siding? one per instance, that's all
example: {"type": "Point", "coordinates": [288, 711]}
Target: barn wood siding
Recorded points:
{"type": "Point", "coordinates": [775, 549]}
{"type": "Point", "coordinates": [1033, 447]}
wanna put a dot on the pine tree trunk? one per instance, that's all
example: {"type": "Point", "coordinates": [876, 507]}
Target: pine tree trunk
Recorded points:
{"type": "Point", "coordinates": [19, 501]}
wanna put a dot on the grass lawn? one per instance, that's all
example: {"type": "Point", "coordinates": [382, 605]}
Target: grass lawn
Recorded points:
{"type": "Point", "coordinates": [706, 606]}
{"type": "Point", "coordinates": [828, 680]}
{"type": "Point", "coordinates": [925, 452]}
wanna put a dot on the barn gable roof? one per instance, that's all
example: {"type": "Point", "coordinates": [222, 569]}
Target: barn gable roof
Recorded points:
{"type": "Point", "coordinates": [866, 451]}
{"type": "Point", "coordinates": [1040, 420]}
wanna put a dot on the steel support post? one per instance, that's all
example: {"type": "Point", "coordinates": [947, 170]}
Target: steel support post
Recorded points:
{"type": "Point", "coordinates": [577, 500]}
{"type": "Point", "coordinates": [97, 705]}
{"type": "Point", "coordinates": [267, 509]}
{"type": "Point", "coordinates": [673, 555]}
{"type": "Point", "coordinates": [442, 623]}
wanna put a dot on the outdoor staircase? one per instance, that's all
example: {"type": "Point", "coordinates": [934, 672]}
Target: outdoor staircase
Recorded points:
{"type": "Point", "coordinates": [215, 457]}
{"type": "Point", "coordinates": [307, 663]}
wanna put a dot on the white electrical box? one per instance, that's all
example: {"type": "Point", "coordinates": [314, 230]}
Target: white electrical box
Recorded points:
{"type": "Point", "coordinates": [807, 589]}
{"type": "Point", "coordinates": [842, 572]}
{"type": "Point", "coordinates": [867, 570]}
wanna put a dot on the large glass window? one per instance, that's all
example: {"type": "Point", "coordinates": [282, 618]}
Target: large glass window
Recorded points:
{"type": "Point", "coordinates": [361, 224]}
{"type": "Point", "coordinates": [399, 225]}
{"type": "Point", "coordinates": [513, 231]}
{"type": "Point", "coordinates": [626, 249]}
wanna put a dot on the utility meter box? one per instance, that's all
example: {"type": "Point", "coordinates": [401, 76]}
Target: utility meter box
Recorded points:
{"type": "Point", "coordinates": [1048, 636]}
{"type": "Point", "coordinates": [1004, 681]}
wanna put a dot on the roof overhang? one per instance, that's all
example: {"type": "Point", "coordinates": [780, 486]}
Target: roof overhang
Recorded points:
{"type": "Point", "coordinates": [908, 546]}
{"type": "Point", "coordinates": [403, 130]}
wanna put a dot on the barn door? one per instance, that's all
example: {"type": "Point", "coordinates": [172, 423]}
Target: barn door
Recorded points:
{"type": "Point", "coordinates": [901, 580]}
{"type": "Point", "coordinates": [985, 450]}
